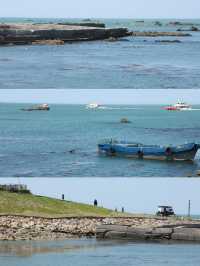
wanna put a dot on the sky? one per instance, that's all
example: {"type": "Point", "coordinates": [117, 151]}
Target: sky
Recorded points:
{"type": "Point", "coordinates": [101, 9]}
{"type": "Point", "coordinates": [108, 96]}
{"type": "Point", "coordinates": [137, 195]}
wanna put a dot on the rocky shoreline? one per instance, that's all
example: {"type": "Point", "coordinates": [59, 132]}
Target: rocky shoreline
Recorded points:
{"type": "Point", "coordinates": [184, 232]}
{"type": "Point", "coordinates": [60, 33]}
{"type": "Point", "coordinates": [26, 33]}
{"type": "Point", "coordinates": [14, 227]}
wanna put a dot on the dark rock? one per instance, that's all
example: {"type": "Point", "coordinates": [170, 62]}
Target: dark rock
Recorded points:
{"type": "Point", "coordinates": [30, 33]}
{"type": "Point", "coordinates": [179, 23]}
{"type": "Point", "coordinates": [168, 41]}
{"type": "Point", "coordinates": [87, 24]}
{"type": "Point", "coordinates": [123, 40]}
{"type": "Point", "coordinates": [4, 26]}
{"type": "Point", "coordinates": [86, 19]}
{"type": "Point", "coordinates": [175, 23]}
{"type": "Point", "coordinates": [158, 23]}
{"type": "Point", "coordinates": [198, 172]}
{"type": "Point", "coordinates": [72, 151]}
{"type": "Point", "coordinates": [158, 34]}
{"type": "Point", "coordinates": [125, 121]}
{"type": "Point", "coordinates": [193, 28]}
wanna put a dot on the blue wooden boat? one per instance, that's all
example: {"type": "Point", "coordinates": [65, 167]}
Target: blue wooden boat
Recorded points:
{"type": "Point", "coordinates": [185, 152]}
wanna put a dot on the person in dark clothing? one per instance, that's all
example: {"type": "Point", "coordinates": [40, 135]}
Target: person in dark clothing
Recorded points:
{"type": "Point", "coordinates": [95, 203]}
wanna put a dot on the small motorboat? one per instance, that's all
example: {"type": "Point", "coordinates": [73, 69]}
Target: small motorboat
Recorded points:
{"type": "Point", "coordinates": [184, 152]}
{"type": "Point", "coordinates": [41, 107]}
{"type": "Point", "coordinates": [92, 106]}
{"type": "Point", "coordinates": [179, 106]}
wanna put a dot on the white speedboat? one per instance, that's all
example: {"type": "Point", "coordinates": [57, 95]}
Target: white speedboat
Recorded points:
{"type": "Point", "coordinates": [182, 106]}
{"type": "Point", "coordinates": [179, 106]}
{"type": "Point", "coordinates": [92, 106]}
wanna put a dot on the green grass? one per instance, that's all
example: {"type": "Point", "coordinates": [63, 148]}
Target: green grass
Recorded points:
{"type": "Point", "coordinates": [31, 205]}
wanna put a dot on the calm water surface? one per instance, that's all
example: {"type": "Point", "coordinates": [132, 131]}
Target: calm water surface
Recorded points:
{"type": "Point", "coordinates": [91, 252]}
{"type": "Point", "coordinates": [130, 63]}
{"type": "Point", "coordinates": [38, 143]}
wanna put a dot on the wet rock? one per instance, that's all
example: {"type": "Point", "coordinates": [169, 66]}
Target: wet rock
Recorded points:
{"type": "Point", "coordinates": [168, 41]}
{"type": "Point", "coordinates": [85, 23]}
{"type": "Point", "coordinates": [72, 151]}
{"type": "Point", "coordinates": [158, 34]}
{"type": "Point", "coordinates": [4, 26]}
{"type": "Point", "coordinates": [193, 28]}
{"type": "Point", "coordinates": [175, 23]}
{"type": "Point", "coordinates": [27, 33]}
{"type": "Point", "coordinates": [198, 172]}
{"type": "Point", "coordinates": [49, 42]}
{"type": "Point", "coordinates": [125, 120]}
{"type": "Point", "coordinates": [158, 23]}
{"type": "Point", "coordinates": [112, 39]}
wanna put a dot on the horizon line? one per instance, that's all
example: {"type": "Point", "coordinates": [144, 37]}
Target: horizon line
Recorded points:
{"type": "Point", "coordinates": [33, 17]}
{"type": "Point", "coordinates": [106, 104]}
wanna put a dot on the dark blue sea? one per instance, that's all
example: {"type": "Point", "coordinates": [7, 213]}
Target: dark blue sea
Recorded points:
{"type": "Point", "coordinates": [132, 62]}
{"type": "Point", "coordinates": [38, 144]}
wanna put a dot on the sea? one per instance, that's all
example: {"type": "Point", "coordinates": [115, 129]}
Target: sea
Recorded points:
{"type": "Point", "coordinates": [63, 142]}
{"type": "Point", "coordinates": [130, 63]}
{"type": "Point", "coordinates": [92, 252]}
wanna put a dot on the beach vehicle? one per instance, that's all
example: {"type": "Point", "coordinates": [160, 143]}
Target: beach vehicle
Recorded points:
{"type": "Point", "coordinates": [41, 107]}
{"type": "Point", "coordinates": [92, 106]}
{"type": "Point", "coordinates": [165, 211]}
{"type": "Point", "coordinates": [179, 106]}
{"type": "Point", "coordinates": [184, 152]}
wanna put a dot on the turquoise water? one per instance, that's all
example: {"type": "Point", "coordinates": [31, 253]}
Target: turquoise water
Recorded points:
{"type": "Point", "coordinates": [38, 143]}
{"type": "Point", "coordinates": [130, 63]}
{"type": "Point", "coordinates": [91, 252]}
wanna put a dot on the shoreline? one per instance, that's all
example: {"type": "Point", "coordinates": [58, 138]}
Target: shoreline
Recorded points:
{"type": "Point", "coordinates": [21, 227]}
{"type": "Point", "coordinates": [56, 34]}
{"type": "Point", "coordinates": [67, 32]}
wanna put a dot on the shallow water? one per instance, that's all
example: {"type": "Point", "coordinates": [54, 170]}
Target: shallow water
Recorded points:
{"type": "Point", "coordinates": [131, 63]}
{"type": "Point", "coordinates": [38, 143]}
{"type": "Point", "coordinates": [92, 252]}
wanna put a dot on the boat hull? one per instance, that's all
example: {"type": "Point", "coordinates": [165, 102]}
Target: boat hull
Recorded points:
{"type": "Point", "coordinates": [185, 152]}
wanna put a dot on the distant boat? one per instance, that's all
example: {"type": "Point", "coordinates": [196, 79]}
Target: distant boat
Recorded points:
{"type": "Point", "coordinates": [184, 152]}
{"type": "Point", "coordinates": [41, 107]}
{"type": "Point", "coordinates": [92, 106]}
{"type": "Point", "coordinates": [179, 106]}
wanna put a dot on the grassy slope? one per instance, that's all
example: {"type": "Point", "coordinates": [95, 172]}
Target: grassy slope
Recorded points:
{"type": "Point", "coordinates": [27, 204]}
